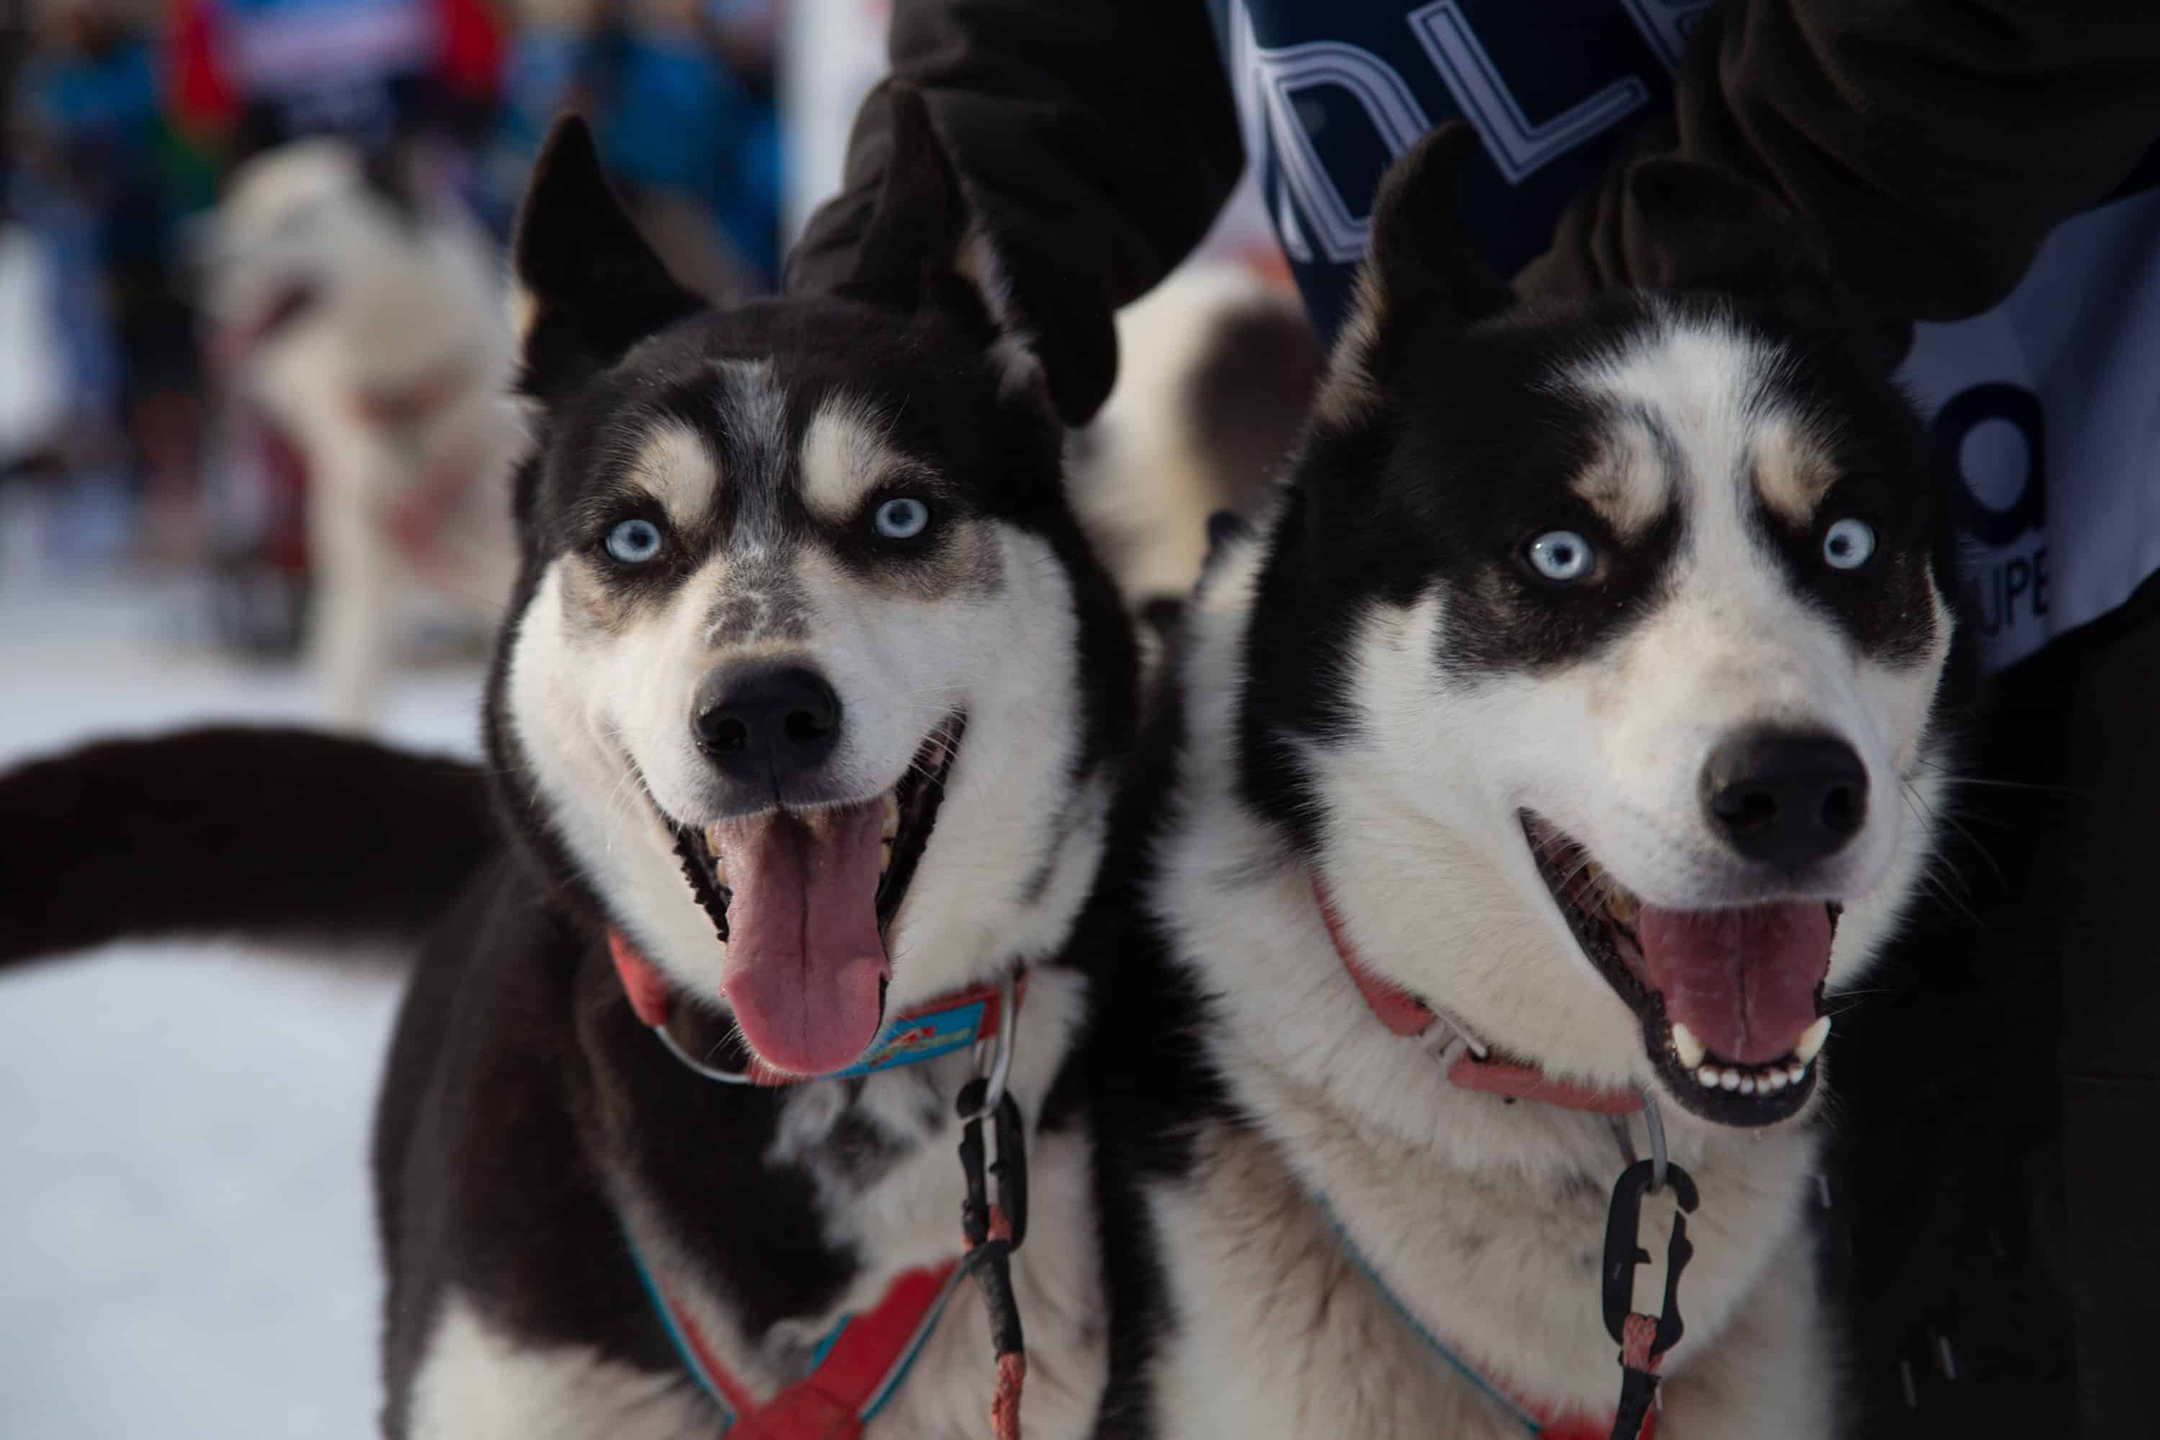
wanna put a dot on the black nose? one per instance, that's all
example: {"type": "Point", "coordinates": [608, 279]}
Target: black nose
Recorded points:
{"type": "Point", "coordinates": [1785, 798]}
{"type": "Point", "coordinates": [766, 722]}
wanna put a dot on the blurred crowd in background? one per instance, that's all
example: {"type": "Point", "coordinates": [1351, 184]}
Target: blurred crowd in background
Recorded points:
{"type": "Point", "coordinates": [126, 119]}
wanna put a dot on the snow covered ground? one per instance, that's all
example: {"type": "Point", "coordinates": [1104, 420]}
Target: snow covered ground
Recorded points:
{"type": "Point", "coordinates": [186, 1240]}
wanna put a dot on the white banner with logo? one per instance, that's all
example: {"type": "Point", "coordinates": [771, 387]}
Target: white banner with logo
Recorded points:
{"type": "Point", "coordinates": [2045, 419]}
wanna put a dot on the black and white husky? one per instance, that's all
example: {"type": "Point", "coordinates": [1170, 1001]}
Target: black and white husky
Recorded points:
{"type": "Point", "coordinates": [1548, 757]}
{"type": "Point", "coordinates": [804, 723]}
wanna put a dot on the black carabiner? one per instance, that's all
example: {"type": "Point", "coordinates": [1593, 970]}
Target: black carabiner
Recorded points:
{"type": "Point", "coordinates": [990, 1260]}
{"type": "Point", "coordinates": [1009, 1169]}
{"type": "Point", "coordinates": [1623, 1254]}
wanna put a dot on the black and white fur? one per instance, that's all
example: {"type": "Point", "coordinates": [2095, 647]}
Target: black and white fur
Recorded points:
{"type": "Point", "coordinates": [528, 1123]}
{"type": "Point", "coordinates": [1376, 687]}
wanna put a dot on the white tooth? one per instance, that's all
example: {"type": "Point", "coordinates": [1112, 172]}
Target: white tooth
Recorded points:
{"type": "Point", "coordinates": [712, 837]}
{"type": "Point", "coordinates": [720, 875]}
{"type": "Point", "coordinates": [1747, 1084]}
{"type": "Point", "coordinates": [1729, 1078]}
{"type": "Point", "coordinates": [1811, 1039]}
{"type": "Point", "coordinates": [1795, 1072]}
{"type": "Point", "coordinates": [884, 857]}
{"type": "Point", "coordinates": [892, 816]}
{"type": "Point", "coordinates": [1773, 1080]}
{"type": "Point", "coordinates": [1707, 1077]}
{"type": "Point", "coordinates": [1686, 1046]}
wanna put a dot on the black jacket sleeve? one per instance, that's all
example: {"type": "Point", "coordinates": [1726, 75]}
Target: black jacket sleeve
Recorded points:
{"type": "Point", "coordinates": [1098, 135]}
{"type": "Point", "coordinates": [1931, 145]}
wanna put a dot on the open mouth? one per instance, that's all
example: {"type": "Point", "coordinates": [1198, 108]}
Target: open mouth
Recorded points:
{"type": "Point", "coordinates": [1730, 1000]}
{"type": "Point", "coordinates": [289, 302]}
{"type": "Point", "coordinates": [803, 897]}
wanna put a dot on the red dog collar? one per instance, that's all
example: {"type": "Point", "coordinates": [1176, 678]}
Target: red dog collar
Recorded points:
{"type": "Point", "coordinates": [1404, 1014]}
{"type": "Point", "coordinates": [951, 1022]}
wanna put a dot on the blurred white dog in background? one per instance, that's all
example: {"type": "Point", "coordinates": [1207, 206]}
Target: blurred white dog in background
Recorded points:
{"type": "Point", "coordinates": [1216, 366]}
{"type": "Point", "coordinates": [357, 314]}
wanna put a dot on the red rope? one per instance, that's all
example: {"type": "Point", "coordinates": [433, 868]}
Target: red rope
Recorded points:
{"type": "Point", "coordinates": [1005, 1402]}
{"type": "Point", "coordinates": [1637, 1335]}
{"type": "Point", "coordinates": [1011, 1369]}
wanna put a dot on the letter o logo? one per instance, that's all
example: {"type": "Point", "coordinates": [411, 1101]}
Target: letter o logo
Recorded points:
{"type": "Point", "coordinates": [1954, 423]}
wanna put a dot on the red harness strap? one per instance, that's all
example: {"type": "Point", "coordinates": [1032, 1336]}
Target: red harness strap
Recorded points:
{"type": "Point", "coordinates": [415, 519]}
{"type": "Point", "coordinates": [860, 1368]}
{"type": "Point", "coordinates": [867, 1358]}
{"type": "Point", "coordinates": [1578, 1428]}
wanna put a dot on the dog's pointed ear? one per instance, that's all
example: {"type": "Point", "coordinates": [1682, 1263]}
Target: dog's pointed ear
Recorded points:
{"type": "Point", "coordinates": [1698, 229]}
{"type": "Point", "coordinates": [1705, 229]}
{"type": "Point", "coordinates": [925, 247]}
{"type": "Point", "coordinates": [1420, 254]}
{"type": "Point", "coordinates": [1420, 267]}
{"type": "Point", "coordinates": [386, 172]}
{"type": "Point", "coordinates": [585, 284]}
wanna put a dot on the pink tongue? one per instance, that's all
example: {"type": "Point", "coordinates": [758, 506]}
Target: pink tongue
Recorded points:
{"type": "Point", "coordinates": [804, 959]}
{"type": "Point", "coordinates": [1743, 980]}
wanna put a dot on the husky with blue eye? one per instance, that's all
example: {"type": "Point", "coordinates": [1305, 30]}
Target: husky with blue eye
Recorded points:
{"type": "Point", "coordinates": [802, 734]}
{"type": "Point", "coordinates": [1537, 770]}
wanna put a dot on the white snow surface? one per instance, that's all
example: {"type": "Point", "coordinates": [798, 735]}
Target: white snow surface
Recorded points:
{"type": "Point", "coordinates": [186, 1233]}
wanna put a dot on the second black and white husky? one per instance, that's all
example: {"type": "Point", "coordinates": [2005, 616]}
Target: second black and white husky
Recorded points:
{"type": "Point", "coordinates": [802, 733]}
{"type": "Point", "coordinates": [1538, 771]}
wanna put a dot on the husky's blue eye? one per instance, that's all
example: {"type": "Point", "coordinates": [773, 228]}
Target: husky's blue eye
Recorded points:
{"type": "Point", "coordinates": [633, 542]}
{"type": "Point", "coordinates": [1561, 555]}
{"type": "Point", "coordinates": [901, 518]}
{"type": "Point", "coordinates": [1848, 544]}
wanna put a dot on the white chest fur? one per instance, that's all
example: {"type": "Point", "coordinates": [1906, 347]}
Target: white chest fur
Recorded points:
{"type": "Point", "coordinates": [1281, 1334]}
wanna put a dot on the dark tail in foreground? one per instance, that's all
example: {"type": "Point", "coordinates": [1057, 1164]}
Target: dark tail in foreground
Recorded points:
{"type": "Point", "coordinates": [264, 833]}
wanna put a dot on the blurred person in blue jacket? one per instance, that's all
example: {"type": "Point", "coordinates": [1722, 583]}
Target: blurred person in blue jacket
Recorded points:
{"type": "Point", "coordinates": [106, 187]}
{"type": "Point", "coordinates": [680, 96]}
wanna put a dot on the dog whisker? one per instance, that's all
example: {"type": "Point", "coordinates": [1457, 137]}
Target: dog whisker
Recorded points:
{"type": "Point", "coordinates": [1929, 813]}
